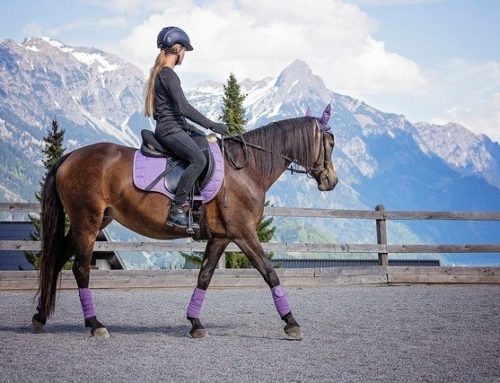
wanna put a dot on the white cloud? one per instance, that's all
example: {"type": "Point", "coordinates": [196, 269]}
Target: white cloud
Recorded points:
{"type": "Point", "coordinates": [60, 31]}
{"type": "Point", "coordinates": [257, 38]}
{"type": "Point", "coordinates": [384, 3]}
{"type": "Point", "coordinates": [128, 6]}
{"type": "Point", "coordinates": [470, 95]}
{"type": "Point", "coordinates": [102, 23]}
{"type": "Point", "coordinates": [32, 29]}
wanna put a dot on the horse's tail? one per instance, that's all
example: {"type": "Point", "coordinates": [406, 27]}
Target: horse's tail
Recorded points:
{"type": "Point", "coordinates": [52, 234]}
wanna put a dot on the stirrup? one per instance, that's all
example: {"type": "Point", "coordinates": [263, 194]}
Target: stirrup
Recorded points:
{"type": "Point", "coordinates": [192, 227]}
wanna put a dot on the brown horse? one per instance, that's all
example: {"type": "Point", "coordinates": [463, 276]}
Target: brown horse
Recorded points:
{"type": "Point", "coordinates": [93, 185]}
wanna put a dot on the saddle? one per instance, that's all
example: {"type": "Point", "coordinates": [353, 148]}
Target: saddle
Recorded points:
{"type": "Point", "coordinates": [154, 163]}
{"type": "Point", "coordinates": [151, 147]}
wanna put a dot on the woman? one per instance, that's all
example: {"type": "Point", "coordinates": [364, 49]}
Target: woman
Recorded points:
{"type": "Point", "coordinates": [166, 103]}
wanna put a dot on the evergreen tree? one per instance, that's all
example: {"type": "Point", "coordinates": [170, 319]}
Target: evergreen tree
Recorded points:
{"type": "Point", "coordinates": [52, 151]}
{"type": "Point", "coordinates": [233, 113]}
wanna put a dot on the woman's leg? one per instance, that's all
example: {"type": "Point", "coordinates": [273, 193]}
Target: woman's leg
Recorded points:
{"type": "Point", "coordinates": [184, 147]}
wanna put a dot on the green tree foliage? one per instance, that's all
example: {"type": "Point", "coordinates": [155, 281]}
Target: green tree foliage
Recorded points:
{"type": "Point", "coordinates": [52, 151]}
{"type": "Point", "coordinates": [233, 113]}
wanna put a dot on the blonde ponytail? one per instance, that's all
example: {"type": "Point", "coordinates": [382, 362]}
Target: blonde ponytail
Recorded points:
{"type": "Point", "coordinates": [149, 103]}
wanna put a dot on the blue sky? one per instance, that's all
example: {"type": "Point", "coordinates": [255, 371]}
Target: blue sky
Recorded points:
{"type": "Point", "coordinates": [431, 60]}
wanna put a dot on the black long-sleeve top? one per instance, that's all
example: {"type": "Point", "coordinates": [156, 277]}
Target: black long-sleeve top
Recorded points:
{"type": "Point", "coordinates": [171, 107]}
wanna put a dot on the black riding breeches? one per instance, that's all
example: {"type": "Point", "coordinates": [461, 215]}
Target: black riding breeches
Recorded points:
{"type": "Point", "coordinates": [183, 146]}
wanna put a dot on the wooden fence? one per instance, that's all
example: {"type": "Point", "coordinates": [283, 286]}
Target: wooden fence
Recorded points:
{"type": "Point", "coordinates": [379, 215]}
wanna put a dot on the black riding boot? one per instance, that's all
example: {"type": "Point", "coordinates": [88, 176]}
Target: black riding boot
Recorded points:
{"type": "Point", "coordinates": [177, 217]}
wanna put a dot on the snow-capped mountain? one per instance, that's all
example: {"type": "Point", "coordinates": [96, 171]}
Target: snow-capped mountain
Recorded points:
{"type": "Point", "coordinates": [94, 95]}
{"type": "Point", "coordinates": [381, 158]}
{"type": "Point", "coordinates": [460, 148]}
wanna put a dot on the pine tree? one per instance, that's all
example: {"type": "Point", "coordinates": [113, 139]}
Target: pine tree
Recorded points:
{"type": "Point", "coordinates": [233, 113]}
{"type": "Point", "coordinates": [52, 151]}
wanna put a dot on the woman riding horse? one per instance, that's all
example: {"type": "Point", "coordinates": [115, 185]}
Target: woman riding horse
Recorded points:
{"type": "Point", "coordinates": [166, 103]}
{"type": "Point", "coordinates": [94, 185]}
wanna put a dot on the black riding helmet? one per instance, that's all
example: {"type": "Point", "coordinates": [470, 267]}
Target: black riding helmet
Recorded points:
{"type": "Point", "coordinates": [170, 36]}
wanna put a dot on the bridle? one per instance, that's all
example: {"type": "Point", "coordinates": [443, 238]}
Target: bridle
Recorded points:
{"type": "Point", "coordinates": [309, 171]}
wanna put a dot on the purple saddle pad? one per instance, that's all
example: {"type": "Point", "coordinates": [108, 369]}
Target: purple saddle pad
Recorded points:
{"type": "Point", "coordinates": [146, 169]}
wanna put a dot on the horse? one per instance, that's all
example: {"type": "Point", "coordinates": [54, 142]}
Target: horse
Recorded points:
{"type": "Point", "coordinates": [93, 186]}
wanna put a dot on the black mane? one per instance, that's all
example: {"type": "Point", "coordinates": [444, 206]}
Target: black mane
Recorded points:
{"type": "Point", "coordinates": [292, 137]}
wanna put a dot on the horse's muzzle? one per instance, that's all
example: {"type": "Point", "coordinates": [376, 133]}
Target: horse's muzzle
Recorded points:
{"type": "Point", "coordinates": [328, 183]}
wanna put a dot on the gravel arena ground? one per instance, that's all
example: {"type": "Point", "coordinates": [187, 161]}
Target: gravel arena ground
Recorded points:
{"type": "Point", "coordinates": [412, 333]}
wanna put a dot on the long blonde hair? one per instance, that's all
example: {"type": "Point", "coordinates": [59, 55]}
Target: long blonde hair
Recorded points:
{"type": "Point", "coordinates": [149, 103]}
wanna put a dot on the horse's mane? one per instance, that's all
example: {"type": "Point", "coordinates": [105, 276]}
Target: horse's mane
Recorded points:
{"type": "Point", "coordinates": [292, 137]}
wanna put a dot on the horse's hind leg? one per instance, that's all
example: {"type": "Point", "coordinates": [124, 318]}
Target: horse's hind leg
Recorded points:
{"type": "Point", "coordinates": [83, 240]}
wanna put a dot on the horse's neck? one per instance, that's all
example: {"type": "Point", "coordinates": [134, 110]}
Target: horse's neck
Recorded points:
{"type": "Point", "coordinates": [284, 156]}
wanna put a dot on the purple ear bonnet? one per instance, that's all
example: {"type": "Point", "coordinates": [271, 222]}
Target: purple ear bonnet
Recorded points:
{"type": "Point", "coordinates": [323, 121]}
{"type": "Point", "coordinates": [326, 115]}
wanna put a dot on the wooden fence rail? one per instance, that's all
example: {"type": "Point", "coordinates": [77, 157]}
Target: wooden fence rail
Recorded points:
{"type": "Point", "coordinates": [382, 248]}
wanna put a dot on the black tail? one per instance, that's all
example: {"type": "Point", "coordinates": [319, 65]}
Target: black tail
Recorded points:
{"type": "Point", "coordinates": [53, 220]}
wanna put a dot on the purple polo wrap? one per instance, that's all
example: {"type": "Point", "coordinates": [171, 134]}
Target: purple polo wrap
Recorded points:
{"type": "Point", "coordinates": [280, 300]}
{"type": "Point", "coordinates": [194, 307]}
{"type": "Point", "coordinates": [86, 301]}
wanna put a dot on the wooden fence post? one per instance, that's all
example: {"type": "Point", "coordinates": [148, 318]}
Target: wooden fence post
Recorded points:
{"type": "Point", "coordinates": [383, 258]}
{"type": "Point", "coordinates": [222, 262]}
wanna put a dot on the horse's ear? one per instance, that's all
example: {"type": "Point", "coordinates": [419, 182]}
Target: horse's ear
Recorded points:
{"type": "Point", "coordinates": [326, 115]}
{"type": "Point", "coordinates": [308, 112]}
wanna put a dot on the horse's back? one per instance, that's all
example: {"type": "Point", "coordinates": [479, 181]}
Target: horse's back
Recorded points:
{"type": "Point", "coordinates": [93, 168]}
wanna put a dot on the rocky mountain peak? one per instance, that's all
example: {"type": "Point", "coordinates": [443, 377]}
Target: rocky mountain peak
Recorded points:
{"type": "Point", "coordinates": [298, 77]}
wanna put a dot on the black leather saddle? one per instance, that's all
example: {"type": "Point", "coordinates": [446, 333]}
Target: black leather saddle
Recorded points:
{"type": "Point", "coordinates": [174, 169]}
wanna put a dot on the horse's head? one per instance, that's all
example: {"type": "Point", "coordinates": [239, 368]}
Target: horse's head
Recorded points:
{"type": "Point", "coordinates": [323, 170]}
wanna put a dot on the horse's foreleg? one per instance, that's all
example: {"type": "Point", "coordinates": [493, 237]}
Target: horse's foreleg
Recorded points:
{"type": "Point", "coordinates": [213, 251]}
{"type": "Point", "coordinates": [255, 253]}
{"type": "Point", "coordinates": [84, 244]}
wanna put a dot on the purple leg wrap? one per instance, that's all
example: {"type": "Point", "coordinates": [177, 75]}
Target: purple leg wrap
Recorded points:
{"type": "Point", "coordinates": [280, 300]}
{"type": "Point", "coordinates": [194, 307]}
{"type": "Point", "coordinates": [86, 301]}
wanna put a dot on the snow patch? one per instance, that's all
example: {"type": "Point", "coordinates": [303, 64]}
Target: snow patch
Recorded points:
{"type": "Point", "coordinates": [364, 120]}
{"type": "Point", "coordinates": [4, 133]}
{"type": "Point", "coordinates": [124, 133]}
{"type": "Point", "coordinates": [32, 48]}
{"type": "Point", "coordinates": [357, 152]}
{"type": "Point", "coordinates": [255, 95]}
{"type": "Point", "coordinates": [54, 43]}
{"type": "Point", "coordinates": [91, 59]}
{"type": "Point", "coordinates": [276, 109]}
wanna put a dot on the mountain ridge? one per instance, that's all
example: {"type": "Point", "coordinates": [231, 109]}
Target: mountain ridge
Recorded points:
{"type": "Point", "coordinates": [381, 158]}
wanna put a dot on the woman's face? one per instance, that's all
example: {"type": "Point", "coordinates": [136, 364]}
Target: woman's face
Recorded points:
{"type": "Point", "coordinates": [182, 52]}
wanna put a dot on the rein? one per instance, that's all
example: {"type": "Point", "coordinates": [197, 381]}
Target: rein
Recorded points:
{"type": "Point", "coordinates": [246, 144]}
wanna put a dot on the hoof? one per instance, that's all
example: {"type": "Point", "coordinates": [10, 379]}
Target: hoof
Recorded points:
{"type": "Point", "coordinates": [101, 333]}
{"type": "Point", "coordinates": [38, 327]}
{"type": "Point", "coordinates": [198, 333]}
{"type": "Point", "coordinates": [293, 332]}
